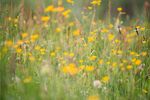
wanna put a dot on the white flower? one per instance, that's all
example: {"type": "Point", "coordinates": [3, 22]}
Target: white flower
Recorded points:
{"type": "Point", "coordinates": [97, 84]}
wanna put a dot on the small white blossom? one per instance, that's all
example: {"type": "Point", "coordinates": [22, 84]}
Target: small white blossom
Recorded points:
{"type": "Point", "coordinates": [97, 84]}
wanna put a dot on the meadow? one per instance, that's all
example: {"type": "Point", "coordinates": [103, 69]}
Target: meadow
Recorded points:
{"type": "Point", "coordinates": [62, 50]}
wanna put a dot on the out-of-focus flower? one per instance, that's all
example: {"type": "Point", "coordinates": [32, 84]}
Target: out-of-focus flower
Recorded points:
{"type": "Point", "coordinates": [45, 18]}
{"type": "Point", "coordinates": [8, 43]}
{"type": "Point", "coordinates": [142, 28]}
{"type": "Point", "coordinates": [108, 62]}
{"type": "Point", "coordinates": [71, 24]}
{"type": "Point", "coordinates": [111, 26]}
{"type": "Point", "coordinates": [24, 35]}
{"type": "Point", "coordinates": [144, 53]}
{"type": "Point", "coordinates": [52, 54]}
{"type": "Point", "coordinates": [59, 9]}
{"type": "Point", "coordinates": [76, 32]}
{"type": "Point", "coordinates": [70, 1]}
{"type": "Point", "coordinates": [49, 8]}
{"type": "Point", "coordinates": [114, 64]}
{"type": "Point", "coordinates": [105, 79]}
{"type": "Point", "coordinates": [132, 53]}
{"type": "Point", "coordinates": [129, 67]}
{"type": "Point", "coordinates": [104, 30]}
{"type": "Point", "coordinates": [97, 84]}
{"type": "Point", "coordinates": [18, 50]}
{"type": "Point", "coordinates": [91, 39]}
{"type": "Point", "coordinates": [96, 2]}
{"type": "Point", "coordinates": [90, 8]}
{"type": "Point", "coordinates": [66, 13]}
{"type": "Point", "coordinates": [92, 58]}
{"type": "Point", "coordinates": [37, 47]}
{"type": "Point", "coordinates": [58, 30]}
{"type": "Point", "coordinates": [138, 62]}
{"type": "Point", "coordinates": [81, 61]}
{"type": "Point", "coordinates": [34, 37]}
{"type": "Point", "coordinates": [119, 9]}
{"type": "Point", "coordinates": [32, 58]}
{"type": "Point", "coordinates": [89, 68]}
{"type": "Point", "coordinates": [71, 54]}
{"type": "Point", "coordinates": [70, 69]}
{"type": "Point", "coordinates": [42, 51]}
{"type": "Point", "coordinates": [27, 79]}
{"type": "Point", "coordinates": [100, 61]}
{"type": "Point", "coordinates": [93, 97]}
{"type": "Point", "coordinates": [111, 37]}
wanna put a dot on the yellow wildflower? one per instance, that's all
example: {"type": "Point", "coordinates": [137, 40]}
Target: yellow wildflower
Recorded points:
{"type": "Point", "coordinates": [100, 61]}
{"type": "Point", "coordinates": [133, 60]}
{"type": "Point", "coordinates": [142, 28]}
{"type": "Point", "coordinates": [105, 79]}
{"type": "Point", "coordinates": [81, 67]}
{"type": "Point", "coordinates": [59, 9]}
{"type": "Point", "coordinates": [18, 50]}
{"type": "Point", "coordinates": [71, 54]}
{"type": "Point", "coordinates": [117, 41]}
{"type": "Point", "coordinates": [49, 8]}
{"type": "Point", "coordinates": [8, 43]}
{"type": "Point", "coordinates": [37, 47]}
{"type": "Point", "coordinates": [92, 58]}
{"type": "Point", "coordinates": [132, 53]}
{"type": "Point", "coordinates": [110, 37]}
{"type": "Point", "coordinates": [119, 9]}
{"type": "Point", "coordinates": [144, 53]}
{"type": "Point", "coordinates": [52, 54]}
{"type": "Point", "coordinates": [138, 62]}
{"type": "Point", "coordinates": [93, 97]}
{"type": "Point", "coordinates": [114, 64]}
{"type": "Point", "coordinates": [16, 20]}
{"type": "Point", "coordinates": [70, 69]}
{"type": "Point", "coordinates": [27, 79]}
{"type": "Point", "coordinates": [129, 67]}
{"type": "Point", "coordinates": [108, 63]}
{"type": "Point", "coordinates": [66, 53]}
{"type": "Point", "coordinates": [34, 37]}
{"type": "Point", "coordinates": [138, 27]}
{"type": "Point", "coordinates": [124, 61]}
{"type": "Point", "coordinates": [89, 68]}
{"type": "Point", "coordinates": [71, 24]}
{"type": "Point", "coordinates": [24, 35]}
{"type": "Point", "coordinates": [57, 30]}
{"type": "Point", "coordinates": [119, 52]}
{"type": "Point", "coordinates": [45, 18]}
{"type": "Point", "coordinates": [70, 1]}
{"type": "Point", "coordinates": [42, 51]}
{"type": "Point", "coordinates": [32, 58]}
{"type": "Point", "coordinates": [81, 61]}
{"type": "Point", "coordinates": [122, 68]}
{"type": "Point", "coordinates": [19, 42]}
{"type": "Point", "coordinates": [76, 32]}
{"type": "Point", "coordinates": [66, 13]}
{"type": "Point", "coordinates": [90, 39]}
{"type": "Point", "coordinates": [89, 7]}
{"type": "Point", "coordinates": [104, 30]}
{"type": "Point", "coordinates": [111, 26]}
{"type": "Point", "coordinates": [96, 2]}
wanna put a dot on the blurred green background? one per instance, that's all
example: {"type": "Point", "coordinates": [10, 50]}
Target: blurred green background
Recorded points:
{"type": "Point", "coordinates": [131, 7]}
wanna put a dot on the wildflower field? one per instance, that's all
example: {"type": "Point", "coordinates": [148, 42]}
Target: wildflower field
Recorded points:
{"type": "Point", "coordinates": [74, 50]}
